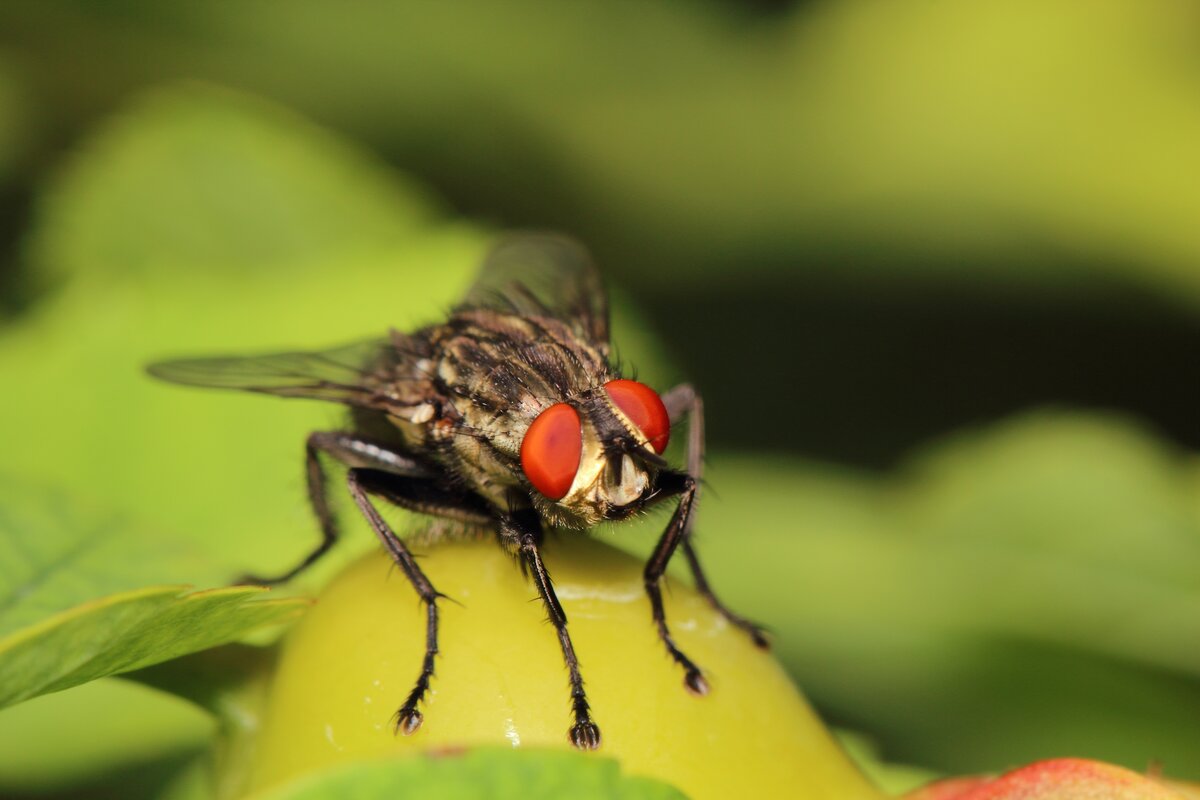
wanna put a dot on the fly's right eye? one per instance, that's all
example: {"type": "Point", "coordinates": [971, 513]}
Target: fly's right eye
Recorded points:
{"type": "Point", "coordinates": [644, 408]}
{"type": "Point", "coordinates": [551, 450]}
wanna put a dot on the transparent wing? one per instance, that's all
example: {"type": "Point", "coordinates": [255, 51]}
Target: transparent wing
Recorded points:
{"type": "Point", "coordinates": [543, 274]}
{"type": "Point", "coordinates": [348, 374]}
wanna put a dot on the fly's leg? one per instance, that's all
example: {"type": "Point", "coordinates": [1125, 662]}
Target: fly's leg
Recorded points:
{"type": "Point", "coordinates": [673, 483]}
{"type": "Point", "coordinates": [523, 532]}
{"type": "Point", "coordinates": [755, 631]}
{"type": "Point", "coordinates": [682, 401]}
{"type": "Point", "coordinates": [352, 451]}
{"type": "Point", "coordinates": [424, 496]}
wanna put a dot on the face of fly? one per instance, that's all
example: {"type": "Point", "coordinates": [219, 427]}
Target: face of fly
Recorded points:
{"type": "Point", "coordinates": [596, 457]}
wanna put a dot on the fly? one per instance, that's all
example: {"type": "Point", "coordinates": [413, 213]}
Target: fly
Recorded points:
{"type": "Point", "coordinates": [510, 416]}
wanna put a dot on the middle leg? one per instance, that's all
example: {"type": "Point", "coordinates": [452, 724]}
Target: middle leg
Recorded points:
{"type": "Point", "coordinates": [427, 497]}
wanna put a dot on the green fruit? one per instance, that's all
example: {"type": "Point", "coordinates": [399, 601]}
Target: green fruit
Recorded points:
{"type": "Point", "coordinates": [500, 679]}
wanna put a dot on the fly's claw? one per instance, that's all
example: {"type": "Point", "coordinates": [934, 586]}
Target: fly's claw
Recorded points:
{"type": "Point", "coordinates": [695, 683]}
{"type": "Point", "coordinates": [756, 632]}
{"type": "Point", "coordinates": [758, 635]}
{"type": "Point", "coordinates": [408, 720]}
{"type": "Point", "coordinates": [584, 735]}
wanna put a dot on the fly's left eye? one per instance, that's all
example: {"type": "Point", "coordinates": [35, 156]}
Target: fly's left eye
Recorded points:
{"type": "Point", "coordinates": [644, 408]}
{"type": "Point", "coordinates": [551, 450]}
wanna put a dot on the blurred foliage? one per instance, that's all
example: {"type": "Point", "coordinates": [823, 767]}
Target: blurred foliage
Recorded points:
{"type": "Point", "coordinates": [947, 213]}
{"type": "Point", "coordinates": [870, 102]}
{"type": "Point", "coordinates": [13, 115]}
{"type": "Point", "coordinates": [217, 180]}
{"type": "Point", "coordinates": [1013, 593]}
{"type": "Point", "coordinates": [904, 217]}
{"type": "Point", "coordinates": [892, 779]}
{"type": "Point", "coordinates": [114, 737]}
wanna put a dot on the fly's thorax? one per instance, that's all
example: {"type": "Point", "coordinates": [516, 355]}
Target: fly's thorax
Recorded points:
{"type": "Point", "coordinates": [509, 365]}
{"type": "Point", "coordinates": [497, 374]}
{"type": "Point", "coordinates": [489, 371]}
{"type": "Point", "coordinates": [500, 371]}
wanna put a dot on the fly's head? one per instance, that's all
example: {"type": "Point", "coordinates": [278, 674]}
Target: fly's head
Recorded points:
{"type": "Point", "coordinates": [596, 457]}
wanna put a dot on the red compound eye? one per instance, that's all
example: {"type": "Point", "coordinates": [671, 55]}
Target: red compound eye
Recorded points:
{"type": "Point", "coordinates": [644, 408]}
{"type": "Point", "coordinates": [551, 449]}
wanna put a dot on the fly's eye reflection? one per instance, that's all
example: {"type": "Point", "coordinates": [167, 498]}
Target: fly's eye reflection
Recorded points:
{"type": "Point", "coordinates": [644, 408]}
{"type": "Point", "coordinates": [551, 450]}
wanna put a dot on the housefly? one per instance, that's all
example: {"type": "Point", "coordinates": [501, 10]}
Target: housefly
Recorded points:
{"type": "Point", "coordinates": [510, 416]}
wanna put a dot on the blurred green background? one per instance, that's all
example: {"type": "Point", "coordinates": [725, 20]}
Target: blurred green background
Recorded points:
{"type": "Point", "coordinates": [934, 265]}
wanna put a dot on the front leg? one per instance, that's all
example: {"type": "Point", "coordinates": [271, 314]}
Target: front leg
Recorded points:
{"type": "Point", "coordinates": [683, 401]}
{"type": "Point", "coordinates": [673, 483]}
{"type": "Point", "coordinates": [523, 532]}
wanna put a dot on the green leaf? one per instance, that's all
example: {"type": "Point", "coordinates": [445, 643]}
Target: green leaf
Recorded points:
{"type": "Point", "coordinates": [195, 177]}
{"type": "Point", "coordinates": [74, 605]}
{"type": "Point", "coordinates": [127, 631]}
{"type": "Point", "coordinates": [480, 774]}
{"type": "Point", "coordinates": [57, 552]}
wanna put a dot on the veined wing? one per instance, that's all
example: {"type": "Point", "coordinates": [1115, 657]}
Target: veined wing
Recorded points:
{"type": "Point", "coordinates": [350, 374]}
{"type": "Point", "coordinates": [543, 274]}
